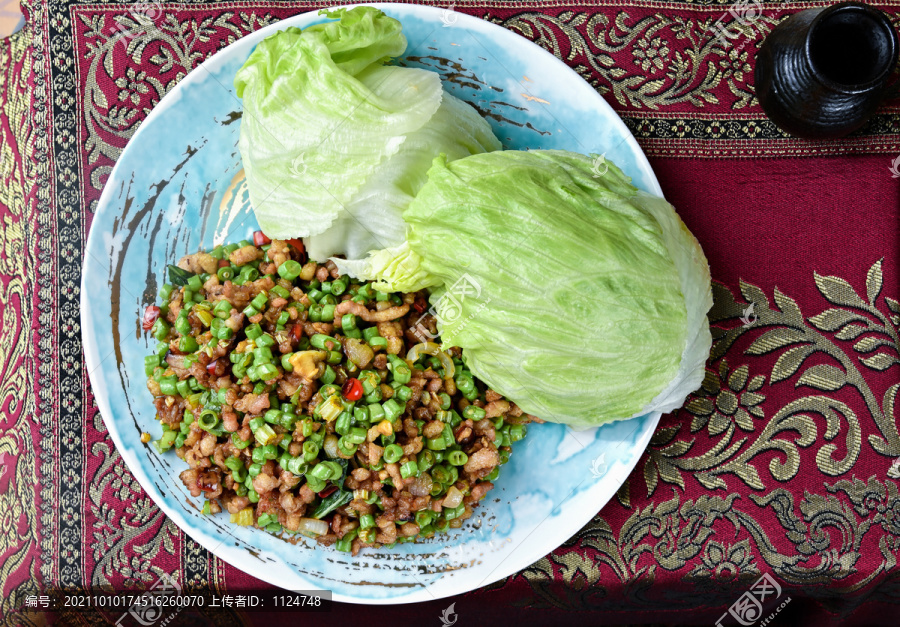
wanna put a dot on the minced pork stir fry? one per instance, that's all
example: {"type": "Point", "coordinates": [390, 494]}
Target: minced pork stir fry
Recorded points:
{"type": "Point", "coordinates": [307, 402]}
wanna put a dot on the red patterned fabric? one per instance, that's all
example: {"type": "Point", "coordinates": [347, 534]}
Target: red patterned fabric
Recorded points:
{"type": "Point", "coordinates": [779, 465]}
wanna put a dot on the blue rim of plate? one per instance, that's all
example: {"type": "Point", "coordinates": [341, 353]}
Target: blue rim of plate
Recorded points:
{"type": "Point", "coordinates": [555, 440]}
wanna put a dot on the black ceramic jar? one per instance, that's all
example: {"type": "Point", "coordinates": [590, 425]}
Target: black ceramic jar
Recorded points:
{"type": "Point", "coordinates": [822, 72]}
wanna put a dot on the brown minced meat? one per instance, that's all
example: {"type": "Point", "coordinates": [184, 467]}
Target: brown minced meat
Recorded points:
{"type": "Point", "coordinates": [216, 383]}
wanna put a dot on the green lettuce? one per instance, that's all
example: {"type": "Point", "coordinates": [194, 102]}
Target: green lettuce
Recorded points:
{"type": "Point", "coordinates": [572, 293]}
{"type": "Point", "coordinates": [335, 143]}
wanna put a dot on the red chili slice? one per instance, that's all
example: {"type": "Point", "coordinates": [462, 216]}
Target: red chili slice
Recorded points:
{"type": "Point", "coordinates": [260, 239]}
{"type": "Point", "coordinates": [352, 390]}
{"type": "Point", "coordinates": [151, 314]}
{"type": "Point", "coordinates": [420, 305]}
{"type": "Point", "coordinates": [224, 263]}
{"type": "Point", "coordinates": [204, 484]}
{"type": "Point", "coordinates": [328, 491]}
{"type": "Point", "coordinates": [298, 244]}
{"type": "Point", "coordinates": [216, 368]}
{"type": "Point", "coordinates": [297, 331]}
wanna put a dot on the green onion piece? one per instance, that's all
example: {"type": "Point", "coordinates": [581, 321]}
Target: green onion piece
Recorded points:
{"type": "Point", "coordinates": [249, 273]}
{"type": "Point", "coordinates": [262, 355]}
{"type": "Point", "coordinates": [166, 441]}
{"type": "Point", "coordinates": [436, 444]}
{"type": "Point", "coordinates": [409, 469]}
{"type": "Point", "coordinates": [392, 453]}
{"type": "Point", "coordinates": [426, 460]}
{"type": "Point", "coordinates": [356, 435]}
{"type": "Point", "coordinates": [403, 393]}
{"type": "Point", "coordinates": [315, 484]}
{"type": "Point", "coordinates": [346, 447]}
{"type": "Point", "coordinates": [272, 416]}
{"type": "Point", "coordinates": [517, 432]}
{"type": "Point", "coordinates": [167, 386]}
{"type": "Point", "coordinates": [329, 390]}
{"type": "Point", "coordinates": [402, 373]}
{"type": "Point", "coordinates": [348, 322]}
{"type": "Point", "coordinates": [280, 291]}
{"type": "Point", "coordinates": [264, 341]}
{"type": "Point", "coordinates": [457, 458]}
{"type": "Point", "coordinates": [376, 412]}
{"type": "Point", "coordinates": [391, 409]}
{"type": "Point", "coordinates": [267, 372]}
{"type": "Point", "coordinates": [194, 283]}
{"type": "Point", "coordinates": [257, 455]}
{"type": "Point", "coordinates": [187, 344]}
{"type": "Point", "coordinates": [324, 342]}
{"type": "Point", "coordinates": [331, 408]}
{"type": "Point", "coordinates": [265, 435]}
{"type": "Point", "coordinates": [310, 451]}
{"type": "Point", "coordinates": [259, 301]}
{"type": "Point", "coordinates": [474, 413]}
{"type": "Point", "coordinates": [320, 471]}
{"type": "Point", "coordinates": [328, 376]}
{"type": "Point", "coordinates": [253, 331]}
{"type": "Point", "coordinates": [160, 330]}
{"type": "Point", "coordinates": [338, 286]}
{"type": "Point", "coordinates": [297, 466]}
{"type": "Point", "coordinates": [151, 362]}
{"type": "Point", "coordinates": [208, 419]}
{"type": "Point", "coordinates": [184, 388]}
{"type": "Point", "coordinates": [234, 463]}
{"type": "Point", "coordinates": [424, 517]}
{"type": "Point", "coordinates": [270, 451]}
{"type": "Point", "coordinates": [345, 544]}
{"type": "Point", "coordinates": [289, 270]}
{"type": "Point", "coordinates": [449, 440]}
{"type": "Point", "coordinates": [375, 395]}
{"type": "Point", "coordinates": [361, 414]}
{"type": "Point", "coordinates": [342, 425]}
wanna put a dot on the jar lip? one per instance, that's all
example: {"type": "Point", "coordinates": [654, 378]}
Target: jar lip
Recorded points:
{"type": "Point", "coordinates": [860, 8]}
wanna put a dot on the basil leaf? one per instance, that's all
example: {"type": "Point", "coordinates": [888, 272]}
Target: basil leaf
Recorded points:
{"type": "Point", "coordinates": [339, 497]}
{"type": "Point", "coordinates": [332, 502]}
{"type": "Point", "coordinates": [179, 276]}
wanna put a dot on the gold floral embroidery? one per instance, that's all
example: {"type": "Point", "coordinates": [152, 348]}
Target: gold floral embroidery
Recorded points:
{"type": "Point", "coordinates": [730, 403]}
{"type": "Point", "coordinates": [18, 455]}
{"type": "Point", "coordinates": [677, 60]}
